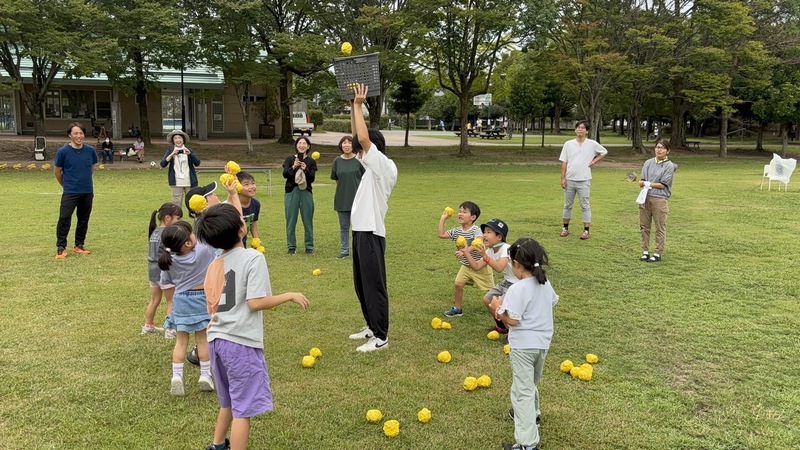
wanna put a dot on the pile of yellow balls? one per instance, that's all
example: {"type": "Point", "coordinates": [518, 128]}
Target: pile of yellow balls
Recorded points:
{"type": "Point", "coordinates": [311, 358]}
{"type": "Point", "coordinates": [584, 371]}
{"type": "Point", "coordinates": [471, 383]}
{"type": "Point", "coordinates": [439, 324]}
{"type": "Point", "coordinates": [391, 428]}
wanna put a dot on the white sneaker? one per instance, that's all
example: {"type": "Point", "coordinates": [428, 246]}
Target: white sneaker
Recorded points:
{"type": "Point", "coordinates": [151, 329]}
{"type": "Point", "coordinates": [169, 334]}
{"type": "Point", "coordinates": [205, 383]}
{"type": "Point", "coordinates": [176, 386]}
{"type": "Point", "coordinates": [373, 344]}
{"type": "Point", "coordinates": [365, 333]}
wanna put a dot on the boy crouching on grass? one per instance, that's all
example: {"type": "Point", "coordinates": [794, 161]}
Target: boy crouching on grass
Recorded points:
{"type": "Point", "coordinates": [237, 290]}
{"type": "Point", "coordinates": [482, 278]}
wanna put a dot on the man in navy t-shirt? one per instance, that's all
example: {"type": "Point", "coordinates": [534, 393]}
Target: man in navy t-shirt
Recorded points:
{"type": "Point", "coordinates": [74, 165]}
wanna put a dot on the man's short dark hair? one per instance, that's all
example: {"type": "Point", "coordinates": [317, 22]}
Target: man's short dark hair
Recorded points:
{"type": "Point", "coordinates": [219, 226]}
{"type": "Point", "coordinates": [375, 136]}
{"type": "Point", "coordinates": [73, 125]}
{"type": "Point", "coordinates": [585, 124]}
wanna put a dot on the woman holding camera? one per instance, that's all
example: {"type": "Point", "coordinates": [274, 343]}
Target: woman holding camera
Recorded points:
{"type": "Point", "coordinates": [181, 161]}
{"type": "Point", "coordinates": [300, 171]}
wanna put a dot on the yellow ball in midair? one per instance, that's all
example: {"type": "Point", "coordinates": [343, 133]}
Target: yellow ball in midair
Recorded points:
{"type": "Point", "coordinates": [315, 156]}
{"type": "Point", "coordinates": [347, 48]}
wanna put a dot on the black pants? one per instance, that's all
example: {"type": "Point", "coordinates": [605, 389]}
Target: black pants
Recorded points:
{"type": "Point", "coordinates": [69, 202]}
{"type": "Point", "coordinates": [369, 278]}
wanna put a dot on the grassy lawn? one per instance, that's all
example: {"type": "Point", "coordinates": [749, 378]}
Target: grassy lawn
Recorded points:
{"type": "Point", "coordinates": [697, 352]}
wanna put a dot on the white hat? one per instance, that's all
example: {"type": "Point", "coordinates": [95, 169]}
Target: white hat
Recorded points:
{"type": "Point", "coordinates": [171, 135]}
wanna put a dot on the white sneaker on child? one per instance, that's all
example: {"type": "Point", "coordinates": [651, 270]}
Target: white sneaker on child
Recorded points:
{"type": "Point", "coordinates": [373, 344]}
{"type": "Point", "coordinates": [169, 334]}
{"type": "Point", "coordinates": [176, 386]}
{"type": "Point", "coordinates": [205, 383]}
{"type": "Point", "coordinates": [365, 333]}
{"type": "Point", "coordinates": [151, 329]}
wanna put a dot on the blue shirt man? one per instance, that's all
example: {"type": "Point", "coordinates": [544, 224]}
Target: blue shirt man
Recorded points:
{"type": "Point", "coordinates": [74, 164]}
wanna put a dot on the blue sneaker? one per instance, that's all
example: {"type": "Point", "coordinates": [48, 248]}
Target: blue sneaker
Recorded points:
{"type": "Point", "coordinates": [453, 312]}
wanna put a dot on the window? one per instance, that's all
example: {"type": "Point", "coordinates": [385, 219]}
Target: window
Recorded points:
{"type": "Point", "coordinates": [78, 104]}
{"type": "Point", "coordinates": [217, 115]}
{"type": "Point", "coordinates": [171, 109]}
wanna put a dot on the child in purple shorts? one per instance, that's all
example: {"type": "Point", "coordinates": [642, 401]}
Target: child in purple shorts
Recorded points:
{"type": "Point", "coordinates": [237, 290]}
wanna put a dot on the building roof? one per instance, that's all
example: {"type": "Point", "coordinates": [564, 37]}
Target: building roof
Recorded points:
{"type": "Point", "coordinates": [200, 77]}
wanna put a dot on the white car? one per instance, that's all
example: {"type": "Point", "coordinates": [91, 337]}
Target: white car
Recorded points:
{"type": "Point", "coordinates": [301, 124]}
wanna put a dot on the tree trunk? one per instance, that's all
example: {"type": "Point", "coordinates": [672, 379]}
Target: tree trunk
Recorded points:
{"type": "Point", "coordinates": [635, 129]}
{"type": "Point", "coordinates": [542, 131]}
{"type": "Point", "coordinates": [760, 137]}
{"type": "Point", "coordinates": [408, 118]}
{"type": "Point", "coordinates": [287, 129]}
{"type": "Point", "coordinates": [140, 90]}
{"type": "Point", "coordinates": [723, 135]}
{"type": "Point", "coordinates": [374, 108]}
{"type": "Point", "coordinates": [614, 124]}
{"type": "Point", "coordinates": [243, 96]}
{"type": "Point", "coordinates": [463, 148]}
{"type": "Point", "coordinates": [677, 138]}
{"type": "Point", "coordinates": [784, 138]}
{"type": "Point", "coordinates": [524, 131]}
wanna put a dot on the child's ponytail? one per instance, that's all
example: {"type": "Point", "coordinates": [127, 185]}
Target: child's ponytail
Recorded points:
{"type": "Point", "coordinates": [531, 255]}
{"type": "Point", "coordinates": [167, 209]}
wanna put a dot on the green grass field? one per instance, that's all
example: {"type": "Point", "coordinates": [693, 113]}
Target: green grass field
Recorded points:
{"type": "Point", "coordinates": [697, 352]}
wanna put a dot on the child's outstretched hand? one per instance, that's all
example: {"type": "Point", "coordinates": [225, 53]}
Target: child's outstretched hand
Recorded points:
{"type": "Point", "coordinates": [300, 299]}
{"type": "Point", "coordinates": [230, 186]}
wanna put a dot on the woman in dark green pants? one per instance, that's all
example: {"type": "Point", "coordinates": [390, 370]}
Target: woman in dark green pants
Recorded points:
{"type": "Point", "coordinates": [300, 171]}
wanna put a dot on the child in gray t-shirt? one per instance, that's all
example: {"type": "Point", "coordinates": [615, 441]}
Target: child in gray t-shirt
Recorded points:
{"type": "Point", "coordinates": [237, 290]}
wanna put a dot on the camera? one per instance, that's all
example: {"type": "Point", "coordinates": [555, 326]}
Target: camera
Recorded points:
{"type": "Point", "coordinates": [180, 152]}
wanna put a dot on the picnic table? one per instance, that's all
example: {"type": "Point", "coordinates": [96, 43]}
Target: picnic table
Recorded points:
{"type": "Point", "coordinates": [493, 133]}
{"type": "Point", "coordinates": [470, 133]}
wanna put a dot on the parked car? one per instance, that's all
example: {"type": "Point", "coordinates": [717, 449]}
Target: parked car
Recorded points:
{"type": "Point", "coordinates": [301, 124]}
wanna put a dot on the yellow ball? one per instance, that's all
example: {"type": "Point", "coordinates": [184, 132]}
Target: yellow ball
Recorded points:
{"type": "Point", "coordinates": [449, 211]}
{"type": "Point", "coordinates": [477, 242]}
{"type": "Point", "coordinates": [484, 381]}
{"type": "Point", "coordinates": [444, 357]}
{"type": "Point", "coordinates": [588, 367]}
{"type": "Point", "coordinates": [493, 335]}
{"type": "Point", "coordinates": [239, 187]}
{"type": "Point", "coordinates": [461, 242]}
{"type": "Point", "coordinates": [566, 366]}
{"type": "Point", "coordinates": [347, 48]}
{"type": "Point", "coordinates": [255, 242]}
{"type": "Point", "coordinates": [436, 323]}
{"type": "Point", "coordinates": [585, 375]}
{"type": "Point", "coordinates": [470, 383]}
{"type": "Point", "coordinates": [316, 272]}
{"type": "Point", "coordinates": [446, 325]}
{"type": "Point", "coordinates": [308, 361]}
{"type": "Point", "coordinates": [101, 166]}
{"type": "Point", "coordinates": [197, 203]}
{"type": "Point", "coordinates": [391, 428]}
{"type": "Point", "coordinates": [315, 352]}
{"type": "Point", "coordinates": [506, 349]}
{"type": "Point", "coordinates": [226, 178]}
{"type": "Point", "coordinates": [233, 167]}
{"type": "Point", "coordinates": [315, 156]}
{"type": "Point", "coordinates": [261, 249]}
{"type": "Point", "coordinates": [574, 371]}
{"type": "Point", "coordinates": [592, 358]}
{"type": "Point", "coordinates": [374, 415]}
{"type": "Point", "coordinates": [424, 415]}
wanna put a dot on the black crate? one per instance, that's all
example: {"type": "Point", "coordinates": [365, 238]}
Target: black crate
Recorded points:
{"type": "Point", "coordinates": [363, 69]}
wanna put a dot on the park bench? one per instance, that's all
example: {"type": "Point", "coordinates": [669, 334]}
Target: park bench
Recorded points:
{"type": "Point", "coordinates": [266, 170]}
{"type": "Point", "coordinates": [470, 133]}
{"type": "Point", "coordinates": [693, 144]}
{"type": "Point", "coordinates": [493, 134]}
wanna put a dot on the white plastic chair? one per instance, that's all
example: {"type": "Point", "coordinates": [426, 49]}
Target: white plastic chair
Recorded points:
{"type": "Point", "coordinates": [778, 169]}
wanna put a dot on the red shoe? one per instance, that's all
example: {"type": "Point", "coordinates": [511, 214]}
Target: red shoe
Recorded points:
{"type": "Point", "coordinates": [79, 249]}
{"type": "Point", "coordinates": [564, 232]}
{"type": "Point", "coordinates": [585, 235]}
{"type": "Point", "coordinates": [61, 253]}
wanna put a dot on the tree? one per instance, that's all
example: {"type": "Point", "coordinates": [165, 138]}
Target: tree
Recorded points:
{"type": "Point", "coordinates": [464, 39]}
{"type": "Point", "coordinates": [55, 37]}
{"type": "Point", "coordinates": [156, 41]}
{"type": "Point", "coordinates": [407, 98]}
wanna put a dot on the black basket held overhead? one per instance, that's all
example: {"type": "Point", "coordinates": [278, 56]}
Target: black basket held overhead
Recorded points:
{"type": "Point", "coordinates": [352, 70]}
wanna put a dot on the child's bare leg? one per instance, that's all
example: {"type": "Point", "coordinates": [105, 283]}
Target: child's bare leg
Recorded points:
{"type": "Point", "coordinates": [168, 293]}
{"type": "Point", "coordinates": [179, 352]}
{"type": "Point", "coordinates": [223, 424]}
{"type": "Point", "coordinates": [486, 301]}
{"type": "Point", "coordinates": [201, 339]}
{"type": "Point", "coordinates": [459, 289]}
{"type": "Point", "coordinates": [155, 300]}
{"type": "Point", "coordinates": [240, 433]}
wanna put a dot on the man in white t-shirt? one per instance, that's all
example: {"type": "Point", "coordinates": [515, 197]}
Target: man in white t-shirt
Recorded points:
{"type": "Point", "coordinates": [367, 217]}
{"type": "Point", "coordinates": [577, 157]}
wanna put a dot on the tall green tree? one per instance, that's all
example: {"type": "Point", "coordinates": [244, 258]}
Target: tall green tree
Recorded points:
{"type": "Point", "coordinates": [407, 98]}
{"type": "Point", "coordinates": [464, 41]}
{"type": "Point", "coordinates": [55, 37]}
{"type": "Point", "coordinates": [149, 36]}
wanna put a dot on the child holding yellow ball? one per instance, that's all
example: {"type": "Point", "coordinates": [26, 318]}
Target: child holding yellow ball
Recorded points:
{"type": "Point", "coordinates": [527, 311]}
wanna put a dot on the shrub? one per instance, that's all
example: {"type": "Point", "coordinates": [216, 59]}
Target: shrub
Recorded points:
{"type": "Point", "coordinates": [317, 117]}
